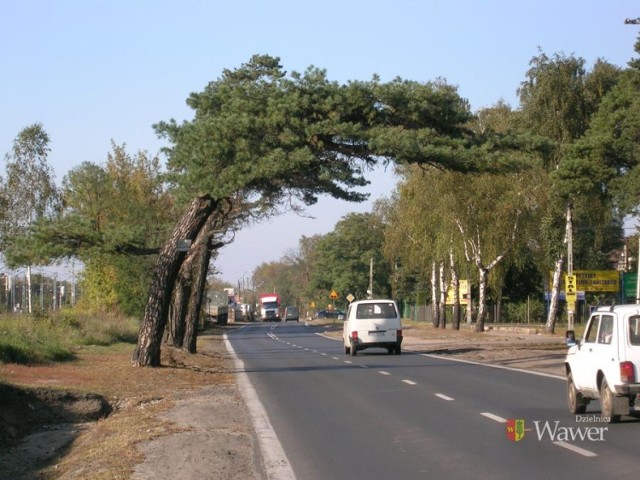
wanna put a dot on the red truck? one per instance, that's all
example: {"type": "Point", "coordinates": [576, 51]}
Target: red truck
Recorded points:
{"type": "Point", "coordinates": [269, 306]}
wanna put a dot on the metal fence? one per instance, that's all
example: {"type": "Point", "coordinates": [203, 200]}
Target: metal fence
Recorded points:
{"type": "Point", "coordinates": [47, 293]}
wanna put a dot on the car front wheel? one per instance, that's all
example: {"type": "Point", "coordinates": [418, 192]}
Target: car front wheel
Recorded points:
{"type": "Point", "coordinates": [575, 399]}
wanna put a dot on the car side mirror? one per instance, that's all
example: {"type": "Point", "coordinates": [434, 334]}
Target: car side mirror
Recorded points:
{"type": "Point", "coordinates": [570, 338]}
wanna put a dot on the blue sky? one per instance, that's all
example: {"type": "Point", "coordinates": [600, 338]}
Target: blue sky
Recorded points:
{"type": "Point", "coordinates": [92, 71]}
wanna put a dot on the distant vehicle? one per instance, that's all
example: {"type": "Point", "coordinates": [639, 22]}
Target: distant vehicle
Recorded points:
{"type": "Point", "coordinates": [291, 313]}
{"type": "Point", "coordinates": [244, 312]}
{"type": "Point", "coordinates": [329, 314]}
{"type": "Point", "coordinates": [269, 307]}
{"type": "Point", "coordinates": [372, 323]}
{"type": "Point", "coordinates": [605, 363]}
{"type": "Point", "coordinates": [218, 307]}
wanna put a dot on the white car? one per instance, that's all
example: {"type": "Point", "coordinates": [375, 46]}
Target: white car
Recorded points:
{"type": "Point", "coordinates": [605, 363]}
{"type": "Point", "coordinates": [372, 323]}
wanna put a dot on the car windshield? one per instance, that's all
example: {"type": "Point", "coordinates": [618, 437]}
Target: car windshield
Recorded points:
{"type": "Point", "coordinates": [634, 330]}
{"type": "Point", "coordinates": [376, 310]}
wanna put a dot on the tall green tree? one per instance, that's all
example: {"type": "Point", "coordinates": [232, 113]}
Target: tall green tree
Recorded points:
{"type": "Point", "coordinates": [345, 255]}
{"type": "Point", "coordinates": [115, 218]}
{"type": "Point", "coordinates": [558, 99]}
{"type": "Point", "coordinates": [30, 194]}
{"type": "Point", "coordinates": [273, 138]}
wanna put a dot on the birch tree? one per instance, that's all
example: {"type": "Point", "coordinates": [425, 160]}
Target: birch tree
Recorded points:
{"type": "Point", "coordinates": [30, 192]}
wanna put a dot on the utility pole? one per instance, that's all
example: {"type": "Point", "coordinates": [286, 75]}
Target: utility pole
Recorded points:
{"type": "Point", "coordinates": [370, 292]}
{"type": "Point", "coordinates": [638, 277]}
{"type": "Point", "coordinates": [570, 281]}
{"type": "Point", "coordinates": [636, 21]}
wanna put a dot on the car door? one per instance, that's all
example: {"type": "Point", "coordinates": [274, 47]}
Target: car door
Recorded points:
{"type": "Point", "coordinates": [597, 352]}
{"type": "Point", "coordinates": [583, 364]}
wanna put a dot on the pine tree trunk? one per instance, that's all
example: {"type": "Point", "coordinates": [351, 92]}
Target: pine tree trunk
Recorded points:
{"type": "Point", "coordinates": [175, 330]}
{"type": "Point", "coordinates": [199, 269]}
{"type": "Point", "coordinates": [147, 351]}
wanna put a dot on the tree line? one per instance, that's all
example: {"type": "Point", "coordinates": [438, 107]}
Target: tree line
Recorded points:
{"type": "Point", "coordinates": [487, 189]}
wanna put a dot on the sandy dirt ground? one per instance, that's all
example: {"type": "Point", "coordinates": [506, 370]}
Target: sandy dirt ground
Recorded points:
{"type": "Point", "coordinates": [211, 435]}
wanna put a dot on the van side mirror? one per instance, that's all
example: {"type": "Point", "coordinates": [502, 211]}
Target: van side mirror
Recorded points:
{"type": "Point", "coordinates": [570, 338]}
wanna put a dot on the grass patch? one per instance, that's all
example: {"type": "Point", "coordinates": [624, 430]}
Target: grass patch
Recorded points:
{"type": "Point", "coordinates": [44, 337]}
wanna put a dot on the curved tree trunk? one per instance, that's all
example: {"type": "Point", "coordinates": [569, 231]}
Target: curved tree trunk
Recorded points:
{"type": "Point", "coordinates": [175, 330]}
{"type": "Point", "coordinates": [199, 269]}
{"type": "Point", "coordinates": [147, 351]}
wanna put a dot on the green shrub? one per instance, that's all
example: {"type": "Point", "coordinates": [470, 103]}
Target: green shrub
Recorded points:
{"type": "Point", "coordinates": [521, 312]}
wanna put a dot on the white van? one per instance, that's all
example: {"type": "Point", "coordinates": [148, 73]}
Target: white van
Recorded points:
{"type": "Point", "coordinates": [372, 323]}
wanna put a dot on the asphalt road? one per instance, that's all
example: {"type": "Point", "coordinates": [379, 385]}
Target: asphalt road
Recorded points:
{"type": "Point", "coordinates": [414, 416]}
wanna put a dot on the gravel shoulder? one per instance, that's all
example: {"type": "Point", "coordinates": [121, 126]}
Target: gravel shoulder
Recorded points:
{"type": "Point", "coordinates": [188, 419]}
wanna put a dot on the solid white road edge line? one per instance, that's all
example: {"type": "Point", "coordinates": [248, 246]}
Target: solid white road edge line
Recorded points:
{"type": "Point", "coordinates": [276, 463]}
{"type": "Point", "coordinates": [500, 367]}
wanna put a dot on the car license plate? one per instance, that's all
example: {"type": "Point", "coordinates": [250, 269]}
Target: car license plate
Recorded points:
{"type": "Point", "coordinates": [375, 333]}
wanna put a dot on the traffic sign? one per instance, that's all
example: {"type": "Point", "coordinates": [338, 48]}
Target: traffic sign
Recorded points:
{"type": "Point", "coordinates": [350, 298]}
{"type": "Point", "coordinates": [333, 294]}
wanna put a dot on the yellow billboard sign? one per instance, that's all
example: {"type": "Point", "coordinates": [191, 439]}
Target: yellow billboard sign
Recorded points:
{"type": "Point", "coordinates": [464, 293]}
{"type": "Point", "coordinates": [594, 281]}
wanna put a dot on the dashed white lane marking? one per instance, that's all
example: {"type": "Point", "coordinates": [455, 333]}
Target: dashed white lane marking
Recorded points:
{"type": "Point", "coordinates": [493, 417]}
{"type": "Point", "coordinates": [444, 397]}
{"type": "Point", "coordinates": [573, 448]}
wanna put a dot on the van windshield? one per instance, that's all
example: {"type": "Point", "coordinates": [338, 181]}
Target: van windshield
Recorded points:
{"type": "Point", "coordinates": [376, 310]}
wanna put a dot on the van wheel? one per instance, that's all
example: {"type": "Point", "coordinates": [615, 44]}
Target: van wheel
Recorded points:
{"type": "Point", "coordinates": [398, 350]}
{"type": "Point", "coordinates": [575, 399]}
{"type": "Point", "coordinates": [606, 402]}
{"type": "Point", "coordinates": [353, 351]}
{"type": "Point", "coordinates": [346, 350]}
